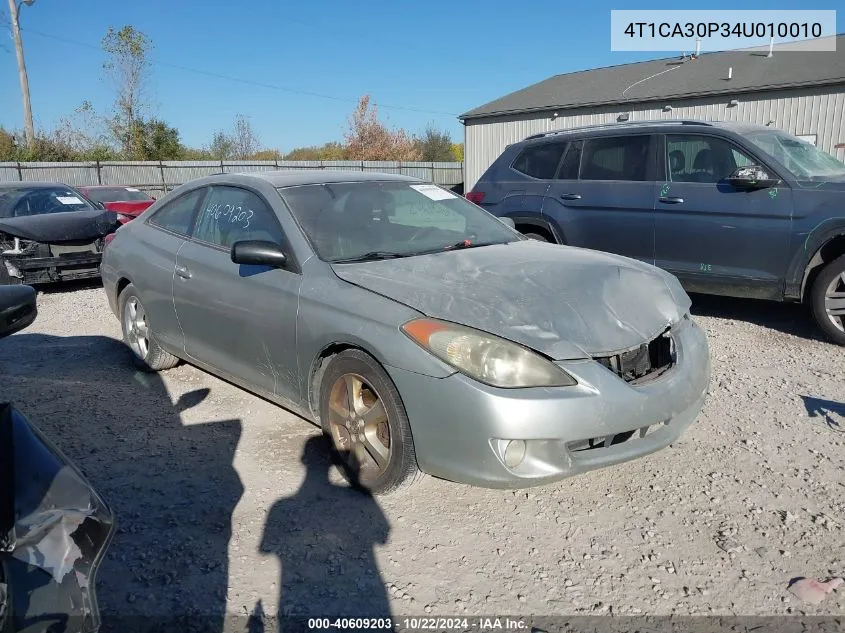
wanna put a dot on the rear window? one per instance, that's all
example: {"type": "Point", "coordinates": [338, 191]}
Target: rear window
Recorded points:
{"type": "Point", "coordinates": [118, 194]}
{"type": "Point", "coordinates": [17, 202]}
{"type": "Point", "coordinates": [615, 158]}
{"type": "Point", "coordinates": [539, 161]}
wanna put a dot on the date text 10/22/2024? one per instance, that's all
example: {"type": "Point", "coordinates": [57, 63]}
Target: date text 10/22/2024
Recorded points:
{"type": "Point", "coordinates": [480, 624]}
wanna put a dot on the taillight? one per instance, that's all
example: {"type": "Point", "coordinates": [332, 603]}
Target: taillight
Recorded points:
{"type": "Point", "coordinates": [476, 197]}
{"type": "Point", "coordinates": [107, 239]}
{"type": "Point", "coordinates": [123, 218]}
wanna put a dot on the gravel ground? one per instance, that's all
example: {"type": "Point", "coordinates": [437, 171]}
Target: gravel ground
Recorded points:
{"type": "Point", "coordinates": [225, 502]}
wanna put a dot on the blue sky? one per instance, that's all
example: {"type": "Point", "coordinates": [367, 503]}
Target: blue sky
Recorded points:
{"type": "Point", "coordinates": [441, 56]}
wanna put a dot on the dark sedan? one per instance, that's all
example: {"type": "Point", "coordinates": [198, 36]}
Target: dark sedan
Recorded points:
{"type": "Point", "coordinates": [50, 232]}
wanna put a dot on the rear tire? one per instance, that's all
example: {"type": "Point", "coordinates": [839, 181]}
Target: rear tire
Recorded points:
{"type": "Point", "coordinates": [362, 413]}
{"type": "Point", "coordinates": [827, 299]}
{"type": "Point", "coordinates": [139, 337]}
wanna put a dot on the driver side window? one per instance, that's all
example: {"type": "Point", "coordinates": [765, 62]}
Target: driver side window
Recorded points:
{"type": "Point", "coordinates": [231, 214]}
{"type": "Point", "coordinates": [702, 159]}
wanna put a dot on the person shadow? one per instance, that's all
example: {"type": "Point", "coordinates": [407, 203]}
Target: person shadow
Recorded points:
{"type": "Point", "coordinates": [324, 536]}
{"type": "Point", "coordinates": [171, 483]}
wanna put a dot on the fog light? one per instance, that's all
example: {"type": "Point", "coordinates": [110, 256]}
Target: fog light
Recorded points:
{"type": "Point", "coordinates": [514, 453]}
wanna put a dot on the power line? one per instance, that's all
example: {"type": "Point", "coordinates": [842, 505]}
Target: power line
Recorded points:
{"type": "Point", "coordinates": [249, 82]}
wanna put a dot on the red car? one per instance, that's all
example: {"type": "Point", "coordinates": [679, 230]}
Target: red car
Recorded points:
{"type": "Point", "coordinates": [127, 202]}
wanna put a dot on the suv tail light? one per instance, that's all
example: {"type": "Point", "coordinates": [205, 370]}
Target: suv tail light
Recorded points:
{"type": "Point", "coordinates": [476, 197]}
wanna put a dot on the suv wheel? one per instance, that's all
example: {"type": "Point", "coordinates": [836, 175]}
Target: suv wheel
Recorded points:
{"type": "Point", "coordinates": [536, 236]}
{"type": "Point", "coordinates": [827, 296]}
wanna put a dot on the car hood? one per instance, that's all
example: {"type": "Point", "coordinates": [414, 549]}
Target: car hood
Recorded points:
{"type": "Point", "coordinates": [561, 301]}
{"type": "Point", "coordinates": [56, 228]}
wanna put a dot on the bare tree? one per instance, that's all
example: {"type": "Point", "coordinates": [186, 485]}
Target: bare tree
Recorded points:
{"type": "Point", "coordinates": [244, 138]}
{"type": "Point", "coordinates": [128, 67]}
{"type": "Point", "coordinates": [14, 18]}
{"type": "Point", "coordinates": [369, 139]}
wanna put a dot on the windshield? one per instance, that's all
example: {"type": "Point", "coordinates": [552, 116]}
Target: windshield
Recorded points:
{"type": "Point", "coordinates": [373, 220]}
{"type": "Point", "coordinates": [118, 194]}
{"type": "Point", "coordinates": [17, 202]}
{"type": "Point", "coordinates": [803, 159]}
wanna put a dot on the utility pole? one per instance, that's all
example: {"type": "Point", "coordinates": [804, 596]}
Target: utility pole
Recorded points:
{"type": "Point", "coordinates": [14, 10]}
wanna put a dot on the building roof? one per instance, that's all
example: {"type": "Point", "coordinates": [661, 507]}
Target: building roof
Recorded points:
{"type": "Point", "coordinates": [672, 78]}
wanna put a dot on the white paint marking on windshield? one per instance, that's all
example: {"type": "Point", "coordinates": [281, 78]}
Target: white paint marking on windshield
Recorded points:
{"type": "Point", "coordinates": [434, 192]}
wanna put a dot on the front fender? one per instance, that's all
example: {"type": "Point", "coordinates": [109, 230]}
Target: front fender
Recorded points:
{"type": "Point", "coordinates": [539, 221]}
{"type": "Point", "coordinates": [809, 243]}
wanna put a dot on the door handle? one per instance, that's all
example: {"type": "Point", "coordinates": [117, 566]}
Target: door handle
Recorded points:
{"type": "Point", "coordinates": [183, 272]}
{"type": "Point", "coordinates": [570, 196]}
{"type": "Point", "coordinates": [671, 200]}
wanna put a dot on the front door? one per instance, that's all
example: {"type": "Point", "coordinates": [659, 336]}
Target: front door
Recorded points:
{"type": "Point", "coordinates": [236, 318]}
{"type": "Point", "coordinates": [713, 237]}
{"type": "Point", "coordinates": [603, 195]}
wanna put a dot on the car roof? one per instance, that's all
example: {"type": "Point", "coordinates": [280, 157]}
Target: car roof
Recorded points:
{"type": "Point", "coordinates": [646, 126]}
{"type": "Point", "coordinates": [291, 177]}
{"type": "Point", "coordinates": [103, 186]}
{"type": "Point", "coordinates": [17, 184]}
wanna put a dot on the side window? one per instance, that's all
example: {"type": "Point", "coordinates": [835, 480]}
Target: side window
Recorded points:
{"type": "Point", "coordinates": [619, 158]}
{"type": "Point", "coordinates": [539, 161]}
{"type": "Point", "coordinates": [571, 162]}
{"type": "Point", "coordinates": [702, 159]}
{"type": "Point", "coordinates": [178, 216]}
{"type": "Point", "coordinates": [231, 214]}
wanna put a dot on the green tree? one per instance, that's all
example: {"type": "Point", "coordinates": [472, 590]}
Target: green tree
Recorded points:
{"type": "Point", "coordinates": [458, 152]}
{"type": "Point", "coordinates": [8, 146]}
{"type": "Point", "coordinates": [222, 146]}
{"type": "Point", "coordinates": [330, 151]}
{"type": "Point", "coordinates": [127, 65]}
{"type": "Point", "coordinates": [435, 145]}
{"type": "Point", "coordinates": [155, 140]}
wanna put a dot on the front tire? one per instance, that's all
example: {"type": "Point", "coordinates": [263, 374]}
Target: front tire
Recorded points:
{"type": "Point", "coordinates": [827, 297]}
{"type": "Point", "coordinates": [362, 412]}
{"type": "Point", "coordinates": [5, 278]}
{"type": "Point", "coordinates": [147, 354]}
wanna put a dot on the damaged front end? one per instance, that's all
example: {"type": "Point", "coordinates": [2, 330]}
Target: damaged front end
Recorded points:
{"type": "Point", "coordinates": [54, 531]}
{"type": "Point", "coordinates": [54, 247]}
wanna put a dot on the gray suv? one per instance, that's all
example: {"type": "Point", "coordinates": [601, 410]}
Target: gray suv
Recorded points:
{"type": "Point", "coordinates": [730, 209]}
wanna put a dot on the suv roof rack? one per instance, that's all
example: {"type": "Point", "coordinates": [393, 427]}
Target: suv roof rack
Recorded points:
{"type": "Point", "coordinates": [598, 126]}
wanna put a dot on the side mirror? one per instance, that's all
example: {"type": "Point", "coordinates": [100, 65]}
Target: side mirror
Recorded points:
{"type": "Point", "coordinates": [508, 221]}
{"type": "Point", "coordinates": [259, 252]}
{"type": "Point", "coordinates": [18, 308]}
{"type": "Point", "coordinates": [752, 177]}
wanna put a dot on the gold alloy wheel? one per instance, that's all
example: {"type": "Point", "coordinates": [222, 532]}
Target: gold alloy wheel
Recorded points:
{"type": "Point", "coordinates": [359, 427]}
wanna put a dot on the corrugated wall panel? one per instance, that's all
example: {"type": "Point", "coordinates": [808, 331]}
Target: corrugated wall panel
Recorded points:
{"type": "Point", "coordinates": [816, 111]}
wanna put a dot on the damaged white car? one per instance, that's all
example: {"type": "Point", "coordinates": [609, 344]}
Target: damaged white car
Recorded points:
{"type": "Point", "coordinates": [50, 232]}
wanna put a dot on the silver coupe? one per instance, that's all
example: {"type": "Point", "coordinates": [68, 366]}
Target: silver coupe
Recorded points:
{"type": "Point", "coordinates": [421, 333]}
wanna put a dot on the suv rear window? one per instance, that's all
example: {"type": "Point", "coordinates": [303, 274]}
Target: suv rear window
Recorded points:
{"type": "Point", "coordinates": [615, 158]}
{"type": "Point", "coordinates": [539, 161]}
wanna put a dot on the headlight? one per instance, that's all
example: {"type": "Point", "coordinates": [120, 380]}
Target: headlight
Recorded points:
{"type": "Point", "coordinates": [485, 357]}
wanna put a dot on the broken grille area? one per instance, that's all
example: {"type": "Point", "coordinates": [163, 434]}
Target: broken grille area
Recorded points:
{"type": "Point", "coordinates": [644, 363]}
{"type": "Point", "coordinates": [606, 441]}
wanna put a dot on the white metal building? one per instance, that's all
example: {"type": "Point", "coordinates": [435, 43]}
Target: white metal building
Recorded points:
{"type": "Point", "coordinates": [802, 92]}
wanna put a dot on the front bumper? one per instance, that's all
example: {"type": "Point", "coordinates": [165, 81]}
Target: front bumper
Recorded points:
{"type": "Point", "coordinates": [35, 270]}
{"type": "Point", "coordinates": [460, 427]}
